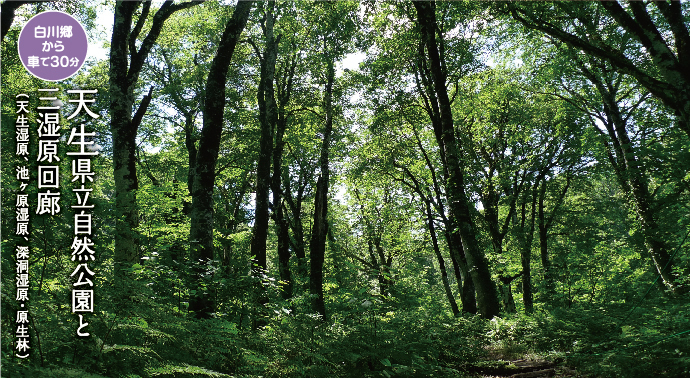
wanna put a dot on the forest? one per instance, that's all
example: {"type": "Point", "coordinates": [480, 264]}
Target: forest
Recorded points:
{"type": "Point", "coordinates": [352, 189]}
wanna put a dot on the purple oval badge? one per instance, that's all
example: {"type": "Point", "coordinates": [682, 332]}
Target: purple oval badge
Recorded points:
{"type": "Point", "coordinates": [53, 46]}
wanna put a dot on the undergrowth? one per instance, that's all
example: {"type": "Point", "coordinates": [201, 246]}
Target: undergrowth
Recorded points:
{"type": "Point", "coordinates": [367, 337]}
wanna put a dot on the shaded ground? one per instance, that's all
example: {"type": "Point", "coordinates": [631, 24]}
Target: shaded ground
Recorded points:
{"type": "Point", "coordinates": [523, 368]}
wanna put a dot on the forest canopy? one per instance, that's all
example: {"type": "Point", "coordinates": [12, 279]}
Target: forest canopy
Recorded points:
{"type": "Point", "coordinates": [351, 189]}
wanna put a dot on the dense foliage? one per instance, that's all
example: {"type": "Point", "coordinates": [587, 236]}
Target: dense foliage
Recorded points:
{"type": "Point", "coordinates": [488, 183]}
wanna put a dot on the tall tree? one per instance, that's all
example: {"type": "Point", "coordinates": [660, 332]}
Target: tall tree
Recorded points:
{"type": "Point", "coordinates": [317, 246]}
{"type": "Point", "coordinates": [497, 145]}
{"type": "Point", "coordinates": [429, 203]}
{"type": "Point", "coordinates": [267, 119]}
{"type": "Point", "coordinates": [487, 301]}
{"type": "Point", "coordinates": [613, 101]}
{"type": "Point", "coordinates": [284, 85]}
{"type": "Point", "coordinates": [201, 231]}
{"type": "Point", "coordinates": [337, 22]}
{"type": "Point", "coordinates": [126, 62]}
{"type": "Point", "coordinates": [453, 240]}
{"type": "Point", "coordinates": [664, 71]}
{"type": "Point", "coordinates": [625, 160]}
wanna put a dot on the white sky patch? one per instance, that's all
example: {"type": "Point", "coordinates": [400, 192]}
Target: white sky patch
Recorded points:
{"type": "Point", "coordinates": [353, 60]}
{"type": "Point", "coordinates": [340, 193]}
{"type": "Point", "coordinates": [350, 62]}
{"type": "Point", "coordinates": [600, 125]}
{"type": "Point", "coordinates": [104, 31]}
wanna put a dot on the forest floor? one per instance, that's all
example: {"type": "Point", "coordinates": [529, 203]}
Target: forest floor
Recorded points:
{"type": "Point", "coordinates": [523, 368]}
{"type": "Point", "coordinates": [501, 363]}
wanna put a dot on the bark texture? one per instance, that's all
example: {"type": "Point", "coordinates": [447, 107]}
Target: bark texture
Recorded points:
{"type": "Point", "coordinates": [487, 301]}
{"type": "Point", "coordinates": [201, 229]}
{"type": "Point", "coordinates": [441, 262]}
{"type": "Point", "coordinates": [282, 228]}
{"type": "Point", "coordinates": [317, 246]}
{"type": "Point", "coordinates": [267, 119]}
{"type": "Point", "coordinates": [126, 62]}
{"type": "Point", "coordinates": [632, 175]}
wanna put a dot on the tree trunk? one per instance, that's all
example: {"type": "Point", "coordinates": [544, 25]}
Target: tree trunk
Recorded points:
{"type": "Point", "coordinates": [282, 228]}
{"type": "Point", "coordinates": [441, 263]}
{"type": "Point", "coordinates": [633, 178]}
{"type": "Point", "coordinates": [637, 179]}
{"type": "Point", "coordinates": [279, 209]}
{"type": "Point", "coordinates": [383, 267]}
{"type": "Point", "coordinates": [490, 200]}
{"type": "Point", "coordinates": [526, 252]}
{"type": "Point", "coordinates": [267, 119]}
{"type": "Point", "coordinates": [462, 274]}
{"type": "Point", "coordinates": [507, 293]}
{"type": "Point", "coordinates": [201, 229]}
{"type": "Point", "coordinates": [126, 63]}
{"type": "Point", "coordinates": [317, 247]}
{"type": "Point", "coordinates": [487, 300]}
{"type": "Point", "coordinates": [453, 240]}
{"type": "Point", "coordinates": [544, 246]}
{"type": "Point", "coordinates": [190, 141]}
{"type": "Point", "coordinates": [124, 140]}
{"type": "Point", "coordinates": [295, 222]}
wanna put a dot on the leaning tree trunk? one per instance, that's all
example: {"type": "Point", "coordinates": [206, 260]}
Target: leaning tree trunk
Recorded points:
{"type": "Point", "coordinates": [636, 177]}
{"type": "Point", "coordinates": [487, 301]}
{"type": "Point", "coordinates": [462, 274]}
{"type": "Point", "coordinates": [441, 262]}
{"type": "Point", "coordinates": [633, 178]}
{"type": "Point", "coordinates": [201, 229]}
{"type": "Point", "coordinates": [453, 240]}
